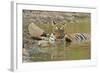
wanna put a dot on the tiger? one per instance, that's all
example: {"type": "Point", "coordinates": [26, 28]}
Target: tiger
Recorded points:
{"type": "Point", "coordinates": [59, 33]}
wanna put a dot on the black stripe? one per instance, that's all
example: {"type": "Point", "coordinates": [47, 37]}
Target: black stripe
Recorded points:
{"type": "Point", "coordinates": [84, 36]}
{"type": "Point", "coordinates": [77, 37]}
{"type": "Point", "coordinates": [81, 37]}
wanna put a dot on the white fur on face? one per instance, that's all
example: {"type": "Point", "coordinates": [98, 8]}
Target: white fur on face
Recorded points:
{"type": "Point", "coordinates": [56, 28]}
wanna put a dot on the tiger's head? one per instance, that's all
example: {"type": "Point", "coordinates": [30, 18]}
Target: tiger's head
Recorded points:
{"type": "Point", "coordinates": [58, 30]}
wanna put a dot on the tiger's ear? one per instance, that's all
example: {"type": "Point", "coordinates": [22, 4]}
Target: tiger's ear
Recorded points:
{"type": "Point", "coordinates": [63, 26]}
{"type": "Point", "coordinates": [53, 23]}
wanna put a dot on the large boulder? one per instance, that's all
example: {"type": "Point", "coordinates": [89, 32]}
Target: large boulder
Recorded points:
{"type": "Point", "coordinates": [35, 31]}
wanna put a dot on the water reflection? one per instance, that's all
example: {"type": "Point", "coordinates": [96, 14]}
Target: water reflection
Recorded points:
{"type": "Point", "coordinates": [51, 53]}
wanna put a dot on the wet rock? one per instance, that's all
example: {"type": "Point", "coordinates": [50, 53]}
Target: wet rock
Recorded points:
{"type": "Point", "coordinates": [43, 43]}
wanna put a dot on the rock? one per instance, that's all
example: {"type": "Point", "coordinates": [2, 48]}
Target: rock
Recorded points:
{"type": "Point", "coordinates": [35, 31]}
{"type": "Point", "coordinates": [43, 43]}
{"type": "Point", "coordinates": [25, 52]}
{"type": "Point", "coordinates": [38, 50]}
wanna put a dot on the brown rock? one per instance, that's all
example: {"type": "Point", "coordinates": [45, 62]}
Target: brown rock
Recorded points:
{"type": "Point", "coordinates": [35, 31]}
